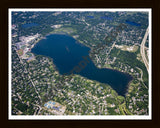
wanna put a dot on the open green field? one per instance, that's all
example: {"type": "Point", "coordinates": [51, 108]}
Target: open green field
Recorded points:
{"type": "Point", "coordinates": [133, 48]}
{"type": "Point", "coordinates": [67, 30]}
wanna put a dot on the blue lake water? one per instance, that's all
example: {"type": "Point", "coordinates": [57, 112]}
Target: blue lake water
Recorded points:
{"type": "Point", "coordinates": [106, 18]}
{"type": "Point", "coordinates": [132, 23]}
{"type": "Point", "coordinates": [70, 56]}
{"type": "Point", "coordinates": [29, 25]}
{"type": "Point", "coordinates": [90, 17]}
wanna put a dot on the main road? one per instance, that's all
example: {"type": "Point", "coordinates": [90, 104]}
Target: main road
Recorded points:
{"type": "Point", "coordinates": [143, 49]}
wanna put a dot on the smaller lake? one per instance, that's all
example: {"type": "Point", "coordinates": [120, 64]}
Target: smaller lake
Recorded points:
{"type": "Point", "coordinates": [29, 25]}
{"type": "Point", "coordinates": [132, 23]}
{"type": "Point", "coordinates": [90, 17]}
{"type": "Point", "coordinates": [70, 56]}
{"type": "Point", "coordinates": [106, 18]}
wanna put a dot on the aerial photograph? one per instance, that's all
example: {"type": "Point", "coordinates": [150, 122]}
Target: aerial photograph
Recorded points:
{"type": "Point", "coordinates": [79, 62]}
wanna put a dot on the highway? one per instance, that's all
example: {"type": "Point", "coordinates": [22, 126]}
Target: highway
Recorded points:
{"type": "Point", "coordinates": [143, 50]}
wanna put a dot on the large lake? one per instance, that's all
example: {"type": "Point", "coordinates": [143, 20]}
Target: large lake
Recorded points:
{"type": "Point", "coordinates": [70, 56]}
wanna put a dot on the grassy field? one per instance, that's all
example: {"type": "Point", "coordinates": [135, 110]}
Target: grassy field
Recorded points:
{"type": "Point", "coordinates": [133, 48]}
{"type": "Point", "coordinates": [107, 66]}
{"type": "Point", "coordinates": [64, 30]}
{"type": "Point", "coordinates": [20, 52]}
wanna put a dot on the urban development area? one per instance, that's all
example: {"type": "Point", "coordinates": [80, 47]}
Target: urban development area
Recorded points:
{"type": "Point", "coordinates": [37, 87]}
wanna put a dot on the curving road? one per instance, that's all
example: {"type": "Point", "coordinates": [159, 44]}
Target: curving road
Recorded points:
{"type": "Point", "coordinates": [143, 49]}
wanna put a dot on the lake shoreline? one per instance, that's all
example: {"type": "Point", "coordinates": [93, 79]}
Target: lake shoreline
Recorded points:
{"type": "Point", "coordinates": [77, 41]}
